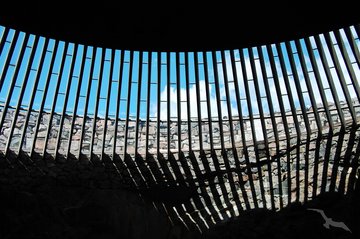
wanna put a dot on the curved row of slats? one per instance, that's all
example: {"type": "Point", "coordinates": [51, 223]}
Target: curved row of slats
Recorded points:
{"type": "Point", "coordinates": [257, 127]}
{"type": "Point", "coordinates": [126, 101]}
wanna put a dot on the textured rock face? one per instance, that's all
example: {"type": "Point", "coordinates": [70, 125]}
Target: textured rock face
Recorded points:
{"type": "Point", "coordinates": [192, 191]}
{"type": "Point", "coordinates": [96, 134]}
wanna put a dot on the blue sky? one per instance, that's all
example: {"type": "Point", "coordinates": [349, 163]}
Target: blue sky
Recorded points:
{"type": "Point", "coordinates": [112, 81]}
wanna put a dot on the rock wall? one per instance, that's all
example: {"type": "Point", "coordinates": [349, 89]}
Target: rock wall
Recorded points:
{"type": "Point", "coordinates": [97, 139]}
{"type": "Point", "coordinates": [192, 191]}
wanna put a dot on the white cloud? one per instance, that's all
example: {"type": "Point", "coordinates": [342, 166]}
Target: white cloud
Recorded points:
{"type": "Point", "coordinates": [214, 104]}
{"type": "Point", "coordinates": [192, 100]}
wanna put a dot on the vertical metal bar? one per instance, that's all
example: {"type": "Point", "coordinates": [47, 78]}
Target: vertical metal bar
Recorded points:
{"type": "Point", "coordinates": [298, 87]}
{"type": "Point", "coordinates": [178, 89]}
{"type": "Point", "coordinates": [3, 42]}
{"type": "Point", "coordinates": [315, 112]}
{"type": "Point", "coordinates": [348, 161]}
{"type": "Point", "coordinates": [318, 79]}
{"type": "Point", "coordinates": [165, 168]}
{"type": "Point", "coordinates": [224, 192]}
{"type": "Point", "coordinates": [135, 174]}
{"type": "Point", "coordinates": [179, 177]}
{"type": "Point", "coordinates": [308, 85]}
{"type": "Point", "coordinates": [77, 96]}
{"type": "Point", "coordinates": [205, 195]}
{"type": "Point", "coordinates": [8, 59]}
{"type": "Point", "coordinates": [348, 64]}
{"type": "Point", "coordinates": [130, 166]}
{"type": "Point", "coordinates": [251, 116]}
{"type": "Point", "coordinates": [179, 180]}
{"type": "Point", "coordinates": [168, 102]}
{"type": "Point", "coordinates": [63, 113]}
{"type": "Point", "coordinates": [184, 164]}
{"type": "Point", "coordinates": [2, 45]}
{"type": "Point", "coordinates": [138, 101]}
{"type": "Point", "coordinates": [263, 126]}
{"type": "Point", "coordinates": [213, 197]}
{"type": "Point", "coordinates": [158, 104]}
{"type": "Point", "coordinates": [196, 62]}
{"type": "Point", "coordinates": [217, 92]}
{"type": "Point", "coordinates": [340, 75]}
{"type": "Point", "coordinates": [61, 71]}
{"type": "Point", "coordinates": [11, 88]}
{"type": "Point", "coordinates": [357, 29]}
{"type": "Point", "coordinates": [206, 161]}
{"type": "Point", "coordinates": [327, 155]}
{"type": "Point", "coordinates": [14, 77]}
{"type": "Point", "coordinates": [173, 183]}
{"type": "Point", "coordinates": [160, 157]}
{"type": "Point", "coordinates": [214, 156]}
{"type": "Point", "coordinates": [319, 83]}
{"type": "Point", "coordinates": [336, 159]}
{"type": "Point", "coordinates": [97, 102]}
{"type": "Point", "coordinates": [231, 127]}
{"type": "Point", "coordinates": [338, 107]}
{"type": "Point", "coordinates": [145, 170]}
{"type": "Point", "coordinates": [304, 115]}
{"type": "Point", "coordinates": [330, 79]}
{"type": "Point", "coordinates": [352, 44]}
{"type": "Point", "coordinates": [33, 93]}
{"type": "Point", "coordinates": [93, 58]}
{"type": "Point", "coordinates": [208, 103]}
{"type": "Point", "coordinates": [193, 163]}
{"type": "Point", "coordinates": [243, 136]}
{"type": "Point", "coordinates": [283, 116]}
{"type": "Point", "coordinates": [273, 121]}
{"type": "Point", "coordinates": [188, 208]}
{"type": "Point", "coordinates": [294, 114]}
{"type": "Point", "coordinates": [148, 105]}
{"type": "Point", "coordinates": [128, 101]}
{"type": "Point", "coordinates": [103, 156]}
{"type": "Point", "coordinates": [46, 87]}
{"type": "Point", "coordinates": [188, 98]}
{"type": "Point", "coordinates": [111, 72]}
{"type": "Point", "coordinates": [117, 104]}
{"type": "Point", "coordinates": [187, 177]}
{"type": "Point", "coordinates": [158, 176]}
{"type": "Point", "coordinates": [354, 164]}
{"type": "Point", "coordinates": [227, 95]}
{"type": "Point", "coordinates": [22, 91]}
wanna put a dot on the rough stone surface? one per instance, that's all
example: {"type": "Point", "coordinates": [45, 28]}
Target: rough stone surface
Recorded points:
{"type": "Point", "coordinates": [98, 142]}
{"type": "Point", "coordinates": [175, 196]}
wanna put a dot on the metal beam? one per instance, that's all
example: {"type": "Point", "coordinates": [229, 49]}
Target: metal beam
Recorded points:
{"type": "Point", "coordinates": [77, 96]}
{"type": "Point", "coordinates": [14, 76]}
{"type": "Point", "coordinates": [111, 72]}
{"type": "Point", "coordinates": [187, 76]}
{"type": "Point", "coordinates": [93, 58]}
{"type": "Point", "coordinates": [263, 128]}
{"type": "Point", "coordinates": [33, 93]}
{"type": "Point", "coordinates": [138, 97]}
{"type": "Point", "coordinates": [208, 103]}
{"type": "Point", "coordinates": [117, 104]}
{"type": "Point", "coordinates": [198, 104]}
{"type": "Point", "coordinates": [148, 104]}
{"type": "Point", "coordinates": [63, 111]}
{"type": "Point", "coordinates": [22, 90]}
{"type": "Point", "coordinates": [46, 88]}
{"type": "Point", "coordinates": [243, 135]}
{"type": "Point", "coordinates": [54, 100]}
{"type": "Point", "coordinates": [10, 54]}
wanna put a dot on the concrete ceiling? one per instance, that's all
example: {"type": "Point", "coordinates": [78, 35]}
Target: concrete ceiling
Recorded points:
{"type": "Point", "coordinates": [177, 25]}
